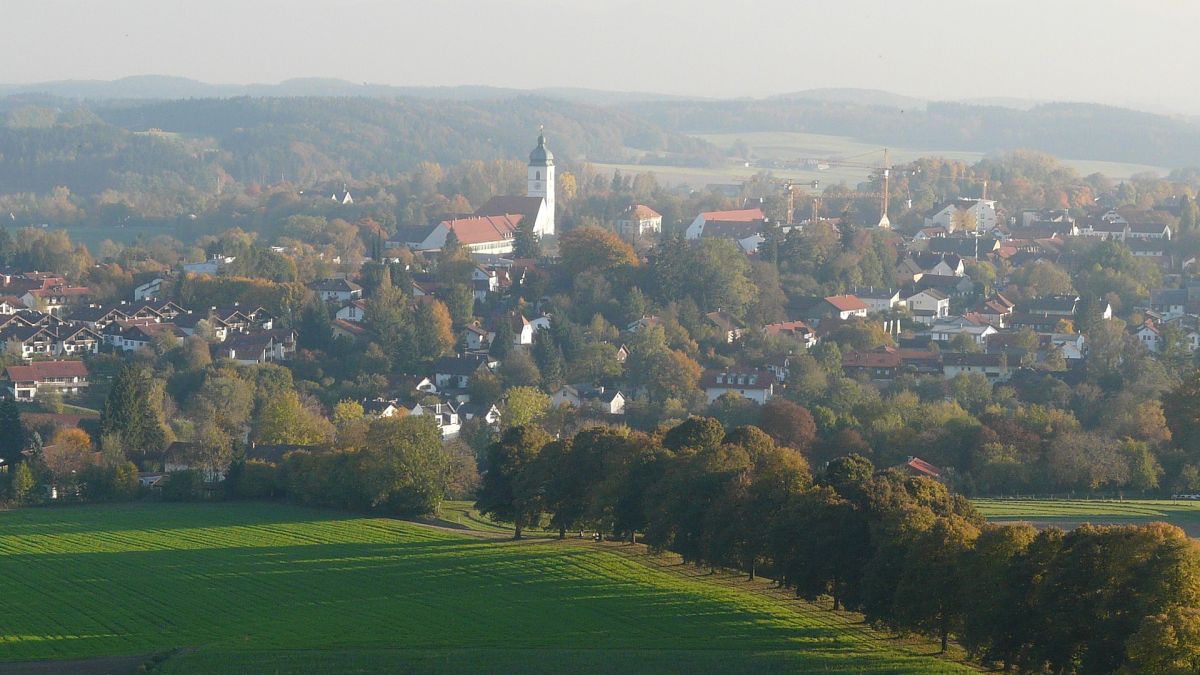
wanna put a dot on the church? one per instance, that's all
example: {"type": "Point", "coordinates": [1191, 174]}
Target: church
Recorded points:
{"type": "Point", "coordinates": [492, 229]}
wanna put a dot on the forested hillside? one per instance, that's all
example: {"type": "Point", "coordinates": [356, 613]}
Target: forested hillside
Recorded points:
{"type": "Point", "coordinates": [171, 153]}
{"type": "Point", "coordinates": [1075, 130]}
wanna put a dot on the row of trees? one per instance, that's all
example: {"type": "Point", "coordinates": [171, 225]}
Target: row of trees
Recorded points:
{"type": "Point", "coordinates": [902, 550]}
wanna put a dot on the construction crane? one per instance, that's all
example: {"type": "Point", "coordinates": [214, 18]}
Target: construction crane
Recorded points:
{"type": "Point", "coordinates": [884, 170]}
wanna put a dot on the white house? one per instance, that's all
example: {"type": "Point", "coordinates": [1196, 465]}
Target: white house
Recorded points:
{"type": "Point", "coordinates": [993, 366]}
{"type": "Point", "coordinates": [337, 290]}
{"type": "Point", "coordinates": [877, 299]}
{"type": "Point", "coordinates": [639, 221]}
{"type": "Point", "coordinates": [752, 383]}
{"type": "Point", "coordinates": [352, 311]}
{"type": "Point", "coordinates": [952, 215]}
{"type": "Point", "coordinates": [929, 305]}
{"type": "Point", "coordinates": [25, 382]}
{"type": "Point", "coordinates": [743, 226]}
{"type": "Point", "coordinates": [150, 289]}
{"type": "Point", "coordinates": [945, 330]}
{"type": "Point", "coordinates": [211, 266]}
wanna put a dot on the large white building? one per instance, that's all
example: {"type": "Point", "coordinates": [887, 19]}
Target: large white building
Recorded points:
{"type": "Point", "coordinates": [953, 215]}
{"type": "Point", "coordinates": [492, 229]}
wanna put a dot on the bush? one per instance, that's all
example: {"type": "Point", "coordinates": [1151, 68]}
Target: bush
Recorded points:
{"type": "Point", "coordinates": [183, 486]}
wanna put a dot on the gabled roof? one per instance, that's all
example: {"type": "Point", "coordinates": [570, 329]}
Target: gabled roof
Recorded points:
{"type": "Point", "coordinates": [738, 215]}
{"type": "Point", "coordinates": [335, 286]}
{"type": "Point", "coordinates": [483, 229]}
{"type": "Point", "coordinates": [526, 207]}
{"type": "Point", "coordinates": [921, 466]}
{"type": "Point", "coordinates": [640, 212]}
{"type": "Point", "coordinates": [40, 370]}
{"type": "Point", "coordinates": [846, 303]}
{"type": "Point", "coordinates": [457, 365]}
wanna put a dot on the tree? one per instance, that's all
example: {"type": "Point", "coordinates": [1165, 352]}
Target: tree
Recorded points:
{"type": "Point", "coordinates": [507, 492]}
{"type": "Point", "coordinates": [12, 431]}
{"type": "Point", "coordinates": [524, 406]}
{"type": "Point", "coordinates": [791, 425]}
{"type": "Point", "coordinates": [283, 420]}
{"type": "Point", "coordinates": [1167, 644]}
{"type": "Point", "coordinates": [69, 451]}
{"type": "Point", "coordinates": [587, 249]}
{"type": "Point", "coordinates": [929, 595]}
{"type": "Point", "coordinates": [131, 410]}
{"type": "Point", "coordinates": [434, 330]}
{"type": "Point", "coordinates": [518, 370]}
{"type": "Point", "coordinates": [405, 469]}
{"type": "Point", "coordinates": [23, 482]}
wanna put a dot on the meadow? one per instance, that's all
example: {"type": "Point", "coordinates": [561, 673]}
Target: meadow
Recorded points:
{"type": "Point", "coordinates": [1069, 513]}
{"type": "Point", "coordinates": [271, 588]}
{"type": "Point", "coordinates": [772, 145]}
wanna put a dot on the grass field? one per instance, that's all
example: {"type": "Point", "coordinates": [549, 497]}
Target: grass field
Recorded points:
{"type": "Point", "coordinates": [1072, 512]}
{"type": "Point", "coordinates": [270, 588]}
{"type": "Point", "coordinates": [794, 145]}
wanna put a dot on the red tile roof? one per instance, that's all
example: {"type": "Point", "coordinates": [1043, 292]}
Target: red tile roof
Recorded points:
{"type": "Point", "coordinates": [643, 212]}
{"type": "Point", "coordinates": [921, 466]}
{"type": "Point", "coordinates": [482, 229]}
{"type": "Point", "coordinates": [739, 215]}
{"type": "Point", "coordinates": [846, 303]}
{"type": "Point", "coordinates": [40, 370]}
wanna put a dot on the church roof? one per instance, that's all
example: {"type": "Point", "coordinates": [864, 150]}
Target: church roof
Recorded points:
{"type": "Point", "coordinates": [481, 229]}
{"type": "Point", "coordinates": [528, 207]}
{"type": "Point", "coordinates": [541, 155]}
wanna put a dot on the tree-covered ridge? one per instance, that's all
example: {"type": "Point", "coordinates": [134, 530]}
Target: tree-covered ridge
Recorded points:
{"type": "Point", "coordinates": [1077, 130]}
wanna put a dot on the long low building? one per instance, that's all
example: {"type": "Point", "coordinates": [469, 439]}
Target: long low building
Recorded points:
{"type": "Point", "coordinates": [24, 383]}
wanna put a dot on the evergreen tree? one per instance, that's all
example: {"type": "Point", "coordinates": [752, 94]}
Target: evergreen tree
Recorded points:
{"type": "Point", "coordinates": [503, 342]}
{"type": "Point", "coordinates": [131, 412]}
{"type": "Point", "coordinates": [527, 244]}
{"type": "Point", "coordinates": [12, 431]}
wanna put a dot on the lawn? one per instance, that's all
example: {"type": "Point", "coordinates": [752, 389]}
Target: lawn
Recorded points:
{"type": "Point", "coordinates": [1072, 512]}
{"type": "Point", "coordinates": [271, 588]}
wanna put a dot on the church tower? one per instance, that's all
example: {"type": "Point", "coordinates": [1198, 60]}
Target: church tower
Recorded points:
{"type": "Point", "coordinates": [541, 181]}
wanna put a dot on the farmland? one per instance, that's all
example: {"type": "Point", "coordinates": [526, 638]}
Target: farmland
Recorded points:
{"type": "Point", "coordinates": [252, 587]}
{"type": "Point", "coordinates": [1068, 513]}
{"type": "Point", "coordinates": [788, 146]}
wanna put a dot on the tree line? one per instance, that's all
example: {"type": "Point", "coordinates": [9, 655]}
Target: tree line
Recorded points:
{"type": "Point", "coordinates": [901, 549]}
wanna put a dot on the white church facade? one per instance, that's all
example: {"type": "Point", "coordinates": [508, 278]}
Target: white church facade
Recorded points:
{"type": "Point", "coordinates": [493, 227]}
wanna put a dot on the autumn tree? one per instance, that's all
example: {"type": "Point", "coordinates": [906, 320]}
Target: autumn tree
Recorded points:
{"type": "Point", "coordinates": [507, 491]}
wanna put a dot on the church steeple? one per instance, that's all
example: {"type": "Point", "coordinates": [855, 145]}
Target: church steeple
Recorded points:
{"type": "Point", "coordinates": [541, 179]}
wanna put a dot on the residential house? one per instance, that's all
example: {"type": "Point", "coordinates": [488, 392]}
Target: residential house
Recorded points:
{"type": "Point", "coordinates": [970, 214]}
{"type": "Point", "coordinates": [76, 340]}
{"type": "Point", "coordinates": [24, 383]}
{"type": "Point", "coordinates": [336, 290]}
{"type": "Point", "coordinates": [28, 341]}
{"type": "Point", "coordinates": [455, 372]}
{"type": "Point", "coordinates": [348, 330]}
{"type": "Point", "coordinates": [150, 289]}
{"type": "Point", "coordinates": [929, 305]}
{"type": "Point", "coordinates": [877, 299]}
{"type": "Point", "coordinates": [211, 267]}
{"type": "Point", "coordinates": [1170, 302]}
{"type": "Point", "coordinates": [743, 226]}
{"type": "Point", "coordinates": [445, 414]}
{"type": "Point", "coordinates": [845, 306]}
{"type": "Point", "coordinates": [639, 221]}
{"type": "Point", "coordinates": [797, 330]}
{"type": "Point", "coordinates": [730, 328]}
{"type": "Point", "coordinates": [994, 366]}
{"type": "Point", "coordinates": [470, 411]}
{"type": "Point", "coordinates": [55, 300]}
{"type": "Point", "coordinates": [257, 348]}
{"type": "Point", "coordinates": [353, 311]}
{"type": "Point", "coordinates": [752, 383]}
{"type": "Point", "coordinates": [945, 330]}
{"type": "Point", "coordinates": [10, 305]}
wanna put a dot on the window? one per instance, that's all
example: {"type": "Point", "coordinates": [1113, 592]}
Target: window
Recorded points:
{"type": "Point", "coordinates": [537, 175]}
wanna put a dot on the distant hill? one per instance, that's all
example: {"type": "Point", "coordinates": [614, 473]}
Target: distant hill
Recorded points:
{"type": "Point", "coordinates": [867, 97]}
{"type": "Point", "coordinates": [164, 87]}
{"type": "Point", "coordinates": [1074, 130]}
{"type": "Point", "coordinates": [173, 147]}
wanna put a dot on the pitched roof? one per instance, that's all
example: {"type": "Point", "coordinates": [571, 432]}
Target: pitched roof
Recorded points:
{"type": "Point", "coordinates": [737, 378]}
{"type": "Point", "coordinates": [457, 365]}
{"type": "Point", "coordinates": [40, 370]}
{"type": "Point", "coordinates": [921, 466]}
{"type": "Point", "coordinates": [482, 229]}
{"type": "Point", "coordinates": [640, 212]}
{"type": "Point", "coordinates": [846, 303]}
{"type": "Point", "coordinates": [335, 286]}
{"type": "Point", "coordinates": [521, 205]}
{"type": "Point", "coordinates": [739, 215]}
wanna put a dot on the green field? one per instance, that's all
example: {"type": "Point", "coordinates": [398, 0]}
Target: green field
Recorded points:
{"type": "Point", "coordinates": [272, 588]}
{"type": "Point", "coordinates": [795, 145]}
{"type": "Point", "coordinates": [1073, 512]}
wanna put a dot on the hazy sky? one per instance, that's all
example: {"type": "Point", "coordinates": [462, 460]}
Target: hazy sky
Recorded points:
{"type": "Point", "coordinates": [1115, 51]}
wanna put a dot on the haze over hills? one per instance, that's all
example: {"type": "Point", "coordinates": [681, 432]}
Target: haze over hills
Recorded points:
{"type": "Point", "coordinates": [166, 87]}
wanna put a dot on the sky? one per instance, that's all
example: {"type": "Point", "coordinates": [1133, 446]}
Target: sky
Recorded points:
{"type": "Point", "coordinates": [1135, 52]}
